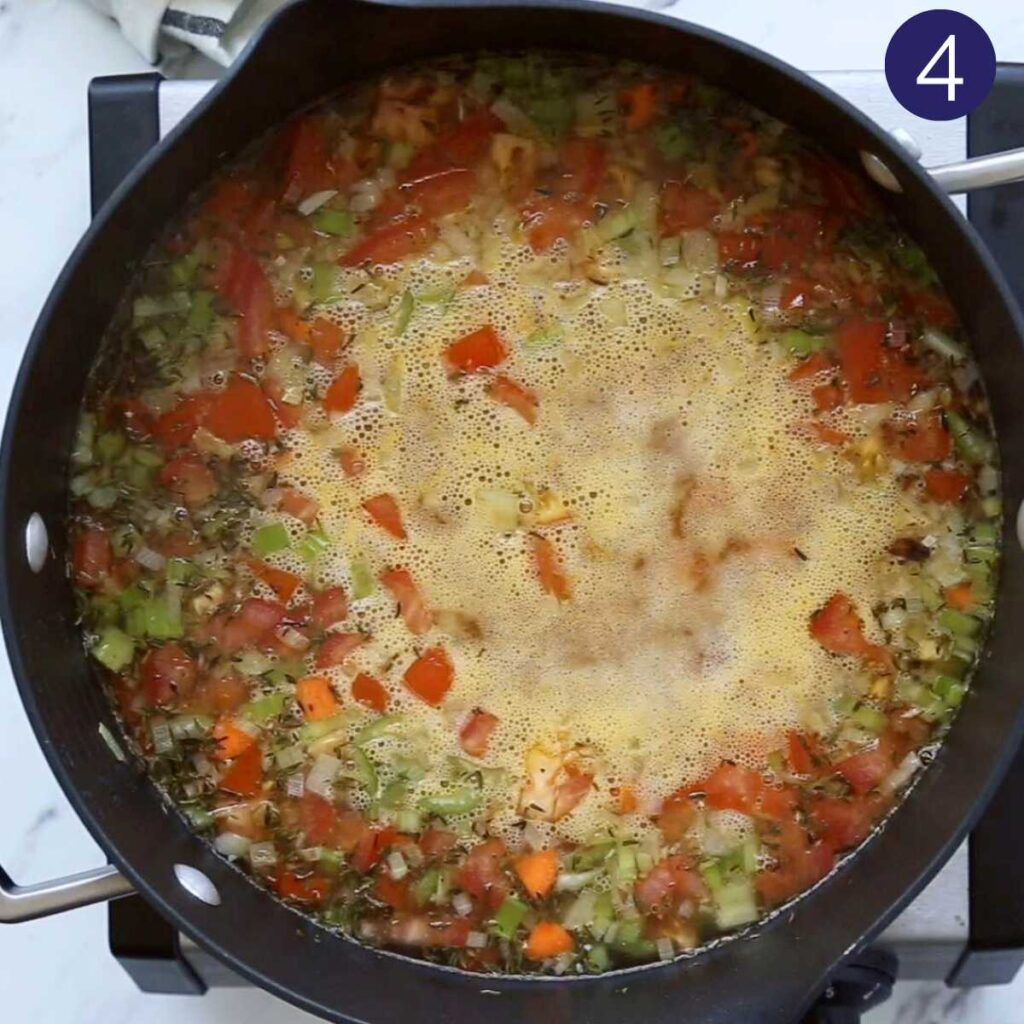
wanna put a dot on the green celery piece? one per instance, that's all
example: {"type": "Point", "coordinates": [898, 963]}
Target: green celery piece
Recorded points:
{"type": "Point", "coordinates": [162, 622]}
{"type": "Point", "coordinates": [376, 729]}
{"type": "Point", "coordinates": [735, 903]}
{"type": "Point", "coordinates": [326, 283]}
{"type": "Point", "coordinates": [268, 539]}
{"type": "Point", "coordinates": [973, 444]}
{"type": "Point", "coordinates": [314, 730]}
{"type": "Point", "coordinates": [598, 958]}
{"type": "Point", "coordinates": [330, 860]}
{"type": "Point", "coordinates": [617, 224]}
{"type": "Point", "coordinates": [545, 337]}
{"type": "Point", "coordinates": [629, 940]}
{"type": "Point", "coordinates": [287, 672]}
{"type": "Point", "coordinates": [869, 718]}
{"type": "Point", "coordinates": [148, 457]}
{"type": "Point", "coordinates": [366, 773]}
{"type": "Point", "coordinates": [399, 154]}
{"type": "Point", "coordinates": [984, 533]}
{"type": "Point", "coordinates": [958, 623]}
{"type": "Point", "coordinates": [363, 583]}
{"type": "Point", "coordinates": [424, 889]}
{"type": "Point", "coordinates": [199, 817]}
{"type": "Point", "coordinates": [183, 270]}
{"type": "Point", "coordinates": [110, 445]}
{"type": "Point", "coordinates": [200, 314]}
{"type": "Point", "coordinates": [334, 222]}
{"type": "Point", "coordinates": [394, 794]}
{"type": "Point", "coordinates": [509, 917]}
{"type": "Point", "coordinates": [313, 544]}
{"type": "Point", "coordinates": [179, 570]}
{"type": "Point", "coordinates": [263, 708]}
{"type": "Point", "coordinates": [459, 801]}
{"type": "Point", "coordinates": [673, 142]}
{"type": "Point", "coordinates": [408, 821]}
{"type": "Point", "coordinates": [800, 343]}
{"type": "Point", "coordinates": [406, 305]}
{"type": "Point", "coordinates": [113, 649]}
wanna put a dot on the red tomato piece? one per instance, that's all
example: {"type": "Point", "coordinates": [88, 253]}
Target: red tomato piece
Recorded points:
{"type": "Point", "coordinates": [845, 822]}
{"type": "Point", "coordinates": [330, 607]}
{"type": "Point", "coordinates": [300, 505]}
{"type": "Point", "coordinates": [548, 220]}
{"type": "Point", "coordinates": [303, 888]}
{"type": "Point", "coordinates": [676, 816]}
{"type": "Point", "coordinates": [384, 511]}
{"type": "Point", "coordinates": [244, 286]}
{"type": "Point", "coordinates": [352, 462]}
{"type": "Point", "coordinates": [479, 350]}
{"type": "Point", "coordinates": [370, 693]}
{"type": "Point", "coordinates": [947, 485]}
{"type": "Point", "coordinates": [872, 373]}
{"type": "Point", "coordinates": [371, 847]}
{"type": "Point", "coordinates": [327, 339]}
{"type": "Point", "coordinates": [800, 752]}
{"type": "Point", "coordinates": [337, 647]}
{"type": "Point", "coordinates": [318, 819]}
{"type": "Point", "coordinates": [436, 843]}
{"type": "Point", "coordinates": [168, 673]}
{"type": "Point", "coordinates": [189, 476]}
{"type": "Point", "coordinates": [288, 414]}
{"type": "Point", "coordinates": [220, 694]}
{"type": "Point", "coordinates": [240, 412]}
{"type": "Point", "coordinates": [92, 557]}
{"type": "Point", "coordinates": [667, 884]}
{"type": "Point", "coordinates": [255, 622]}
{"type": "Point", "coordinates": [391, 243]}
{"type": "Point", "coordinates": [244, 776]}
{"type": "Point", "coordinates": [924, 438]}
{"type": "Point", "coordinates": [739, 247]}
{"type": "Point", "coordinates": [815, 364]}
{"type": "Point", "coordinates": [683, 207]}
{"type": "Point", "coordinates": [283, 583]}
{"type": "Point", "coordinates": [397, 894]}
{"type": "Point", "coordinates": [431, 675]}
{"type": "Point", "coordinates": [865, 770]}
{"type": "Point", "coordinates": [344, 390]}
{"type": "Point", "coordinates": [731, 787]}
{"type": "Point", "coordinates": [548, 566]}
{"type": "Point", "coordinates": [521, 400]}
{"type": "Point", "coordinates": [475, 733]}
{"type": "Point", "coordinates": [442, 193]}
{"type": "Point", "coordinates": [308, 168]}
{"type": "Point", "coordinates": [827, 397]}
{"type": "Point", "coordinates": [417, 616]}
{"type": "Point", "coordinates": [174, 429]}
{"type": "Point", "coordinates": [463, 146]}
{"type": "Point", "coordinates": [840, 630]}
{"type": "Point", "coordinates": [639, 102]}
{"type": "Point", "coordinates": [482, 874]}
{"type": "Point", "coordinates": [585, 161]}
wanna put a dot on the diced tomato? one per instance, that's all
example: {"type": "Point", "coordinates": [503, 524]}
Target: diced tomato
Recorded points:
{"type": "Point", "coordinates": [685, 206]}
{"type": "Point", "coordinates": [842, 190]}
{"type": "Point", "coordinates": [417, 616]}
{"type": "Point", "coordinates": [463, 146]}
{"type": "Point", "coordinates": [391, 243]}
{"type": "Point", "coordinates": [778, 802]}
{"type": "Point", "coordinates": [244, 775]}
{"type": "Point", "coordinates": [231, 739]}
{"type": "Point", "coordinates": [303, 888]}
{"type": "Point", "coordinates": [337, 647]}
{"type": "Point", "coordinates": [872, 373]}
{"type": "Point", "coordinates": [230, 201]}
{"type": "Point", "coordinates": [293, 326]}
{"type": "Point", "coordinates": [482, 875]}
{"type": "Point", "coordinates": [479, 350]}
{"type": "Point", "coordinates": [301, 505]}
{"type": "Point", "coordinates": [137, 418]}
{"type": "Point", "coordinates": [240, 412]}
{"type": "Point", "coordinates": [731, 787]}
{"type": "Point", "coordinates": [815, 364]}
{"type": "Point", "coordinates": [739, 247]}
{"type": "Point", "coordinates": [371, 847]}
{"type": "Point", "coordinates": [667, 884]}
{"type": "Point", "coordinates": [384, 511]}
{"type": "Point", "coordinates": [330, 607]}
{"type": "Point", "coordinates": [244, 285]}
{"type": "Point", "coordinates": [827, 397]}
{"type": "Point", "coordinates": [791, 235]}
{"type": "Point", "coordinates": [370, 692]}
{"type": "Point", "coordinates": [626, 801]}
{"type": "Point", "coordinates": [189, 476]}
{"type": "Point", "coordinates": [800, 751]}
{"type": "Point", "coordinates": [168, 674]}
{"type": "Point", "coordinates": [437, 843]}
{"type": "Point", "coordinates": [931, 307]}
{"type": "Point", "coordinates": [523, 401]}
{"type": "Point", "coordinates": [948, 485]}
{"type": "Point", "coordinates": [92, 556]}
{"type": "Point", "coordinates": [548, 566]}
{"type": "Point", "coordinates": [475, 733]}
{"type": "Point", "coordinates": [474, 279]}
{"type": "Point", "coordinates": [327, 339]}
{"type": "Point", "coordinates": [308, 168]}
{"type": "Point", "coordinates": [865, 770]}
{"type": "Point", "coordinates": [547, 220]}
{"type": "Point", "coordinates": [584, 162]}
{"type": "Point", "coordinates": [352, 462]}
{"type": "Point", "coordinates": [174, 429]}
{"type": "Point", "coordinates": [343, 393]}
{"type": "Point", "coordinates": [255, 621]}
{"type": "Point", "coordinates": [677, 814]}
{"type": "Point", "coordinates": [924, 438]}
{"type": "Point", "coordinates": [283, 583]}
{"type": "Point", "coordinates": [639, 102]}
{"type": "Point", "coordinates": [220, 694]}
{"type": "Point", "coordinates": [824, 433]}
{"type": "Point", "coordinates": [318, 819]}
{"type": "Point", "coordinates": [442, 193]}
{"type": "Point", "coordinates": [431, 675]}
{"type": "Point", "coordinates": [288, 414]}
{"type": "Point", "coordinates": [421, 931]}
{"type": "Point", "coordinates": [394, 892]}
{"type": "Point", "coordinates": [844, 822]}
{"type": "Point", "coordinates": [801, 864]}
{"type": "Point", "coordinates": [840, 630]}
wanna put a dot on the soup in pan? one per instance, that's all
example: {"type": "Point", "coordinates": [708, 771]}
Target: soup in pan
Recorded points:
{"type": "Point", "coordinates": [537, 514]}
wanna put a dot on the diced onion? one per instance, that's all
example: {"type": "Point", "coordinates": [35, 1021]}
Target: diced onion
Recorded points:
{"type": "Point", "coordinates": [313, 202]}
{"type": "Point", "coordinates": [366, 196]}
{"type": "Point", "coordinates": [573, 881]}
{"type": "Point", "coordinates": [262, 856]}
{"type": "Point", "coordinates": [163, 739]}
{"type": "Point", "coordinates": [462, 904]}
{"type": "Point", "coordinates": [476, 940]}
{"type": "Point", "coordinates": [231, 844]}
{"type": "Point", "coordinates": [289, 757]}
{"type": "Point", "coordinates": [700, 250]}
{"type": "Point", "coordinates": [533, 837]}
{"type": "Point", "coordinates": [905, 771]}
{"type": "Point", "coordinates": [112, 745]}
{"type": "Point", "coordinates": [500, 509]}
{"type": "Point", "coordinates": [581, 912]}
{"type": "Point", "coordinates": [296, 785]}
{"type": "Point", "coordinates": [666, 951]}
{"type": "Point", "coordinates": [292, 638]}
{"type": "Point", "coordinates": [150, 559]}
{"type": "Point", "coordinates": [320, 779]}
{"type": "Point", "coordinates": [397, 865]}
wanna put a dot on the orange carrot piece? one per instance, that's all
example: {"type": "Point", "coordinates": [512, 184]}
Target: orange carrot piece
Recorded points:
{"type": "Point", "coordinates": [431, 675]}
{"type": "Point", "coordinates": [548, 939]}
{"type": "Point", "coordinates": [959, 596]}
{"type": "Point", "coordinates": [476, 351]}
{"type": "Point", "coordinates": [344, 390]}
{"type": "Point", "coordinates": [538, 872]}
{"type": "Point", "coordinates": [231, 738]}
{"type": "Point", "coordinates": [518, 398]}
{"type": "Point", "coordinates": [639, 104]}
{"type": "Point", "coordinates": [549, 568]}
{"type": "Point", "coordinates": [316, 698]}
{"type": "Point", "coordinates": [384, 511]}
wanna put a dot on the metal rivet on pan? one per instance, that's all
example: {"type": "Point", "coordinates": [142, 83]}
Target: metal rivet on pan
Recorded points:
{"type": "Point", "coordinates": [879, 172]}
{"type": "Point", "coordinates": [196, 884]}
{"type": "Point", "coordinates": [37, 542]}
{"type": "Point", "coordinates": [907, 141]}
{"type": "Point", "coordinates": [1020, 524]}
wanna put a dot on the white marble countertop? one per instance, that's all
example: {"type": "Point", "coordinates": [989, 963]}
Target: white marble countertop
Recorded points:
{"type": "Point", "coordinates": [59, 970]}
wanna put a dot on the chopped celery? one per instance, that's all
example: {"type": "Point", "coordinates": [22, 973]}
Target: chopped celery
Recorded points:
{"type": "Point", "coordinates": [603, 914]}
{"type": "Point", "coordinates": [509, 917]}
{"type": "Point", "coordinates": [268, 539]}
{"type": "Point", "coordinates": [290, 757]}
{"type": "Point", "coordinates": [629, 940]}
{"type": "Point", "coordinates": [958, 623]}
{"type": "Point", "coordinates": [147, 456]}
{"type": "Point", "coordinates": [183, 270]}
{"type": "Point", "coordinates": [102, 497]}
{"type": "Point", "coordinates": [329, 860]}
{"type": "Point", "coordinates": [712, 874]}
{"type": "Point", "coordinates": [113, 648]}
{"type": "Point", "coordinates": [334, 222]}
{"type": "Point", "coordinates": [992, 505]}
{"type": "Point", "coordinates": [365, 772]}
{"type": "Point", "coordinates": [399, 153]}
{"type": "Point", "coordinates": [980, 553]}
{"type": "Point", "coordinates": [984, 533]}
{"type": "Point", "coordinates": [459, 801]}
{"type": "Point", "coordinates": [179, 570]}
{"type": "Point", "coordinates": [593, 855]}
{"type": "Point", "coordinates": [254, 663]}
{"type": "Point", "coordinates": [616, 224]}
{"type": "Point", "coordinates": [363, 583]}
{"type": "Point", "coordinates": [405, 307]}
{"type": "Point", "coordinates": [408, 821]}
{"type": "Point", "coordinates": [313, 545]}
{"type": "Point", "coordinates": [110, 445]}
{"type": "Point", "coordinates": [394, 794]}
{"type": "Point", "coordinates": [146, 307]}
{"type": "Point", "coordinates": [85, 439]}
{"type": "Point", "coordinates": [327, 283]}
{"type": "Point", "coordinates": [162, 619]}
{"type": "Point", "coordinates": [972, 443]}
{"type": "Point", "coordinates": [869, 718]}
{"type": "Point", "coordinates": [424, 889]}
{"type": "Point", "coordinates": [949, 690]}
{"type": "Point", "coordinates": [598, 958]}
{"type": "Point", "coordinates": [314, 730]}
{"type": "Point", "coordinates": [735, 903]}
{"type": "Point", "coordinates": [376, 729]}
{"type": "Point", "coordinates": [190, 727]}
{"type": "Point", "coordinates": [287, 672]}
{"type": "Point", "coordinates": [625, 865]}
{"type": "Point", "coordinates": [199, 817]}
{"type": "Point", "coordinates": [263, 708]}
{"type": "Point", "coordinates": [545, 337]}
{"type": "Point", "coordinates": [670, 251]}
{"type": "Point", "coordinates": [673, 142]}
{"type": "Point", "coordinates": [800, 343]}
{"type": "Point", "coordinates": [200, 314]}
{"type": "Point", "coordinates": [940, 342]}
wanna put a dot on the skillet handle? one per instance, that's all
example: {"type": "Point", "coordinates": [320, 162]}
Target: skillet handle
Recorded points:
{"type": "Point", "coordinates": [980, 171]}
{"type": "Point", "coordinates": [27, 902]}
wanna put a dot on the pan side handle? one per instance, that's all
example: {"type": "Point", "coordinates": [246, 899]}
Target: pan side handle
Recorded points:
{"type": "Point", "coordinates": [962, 176]}
{"type": "Point", "coordinates": [28, 902]}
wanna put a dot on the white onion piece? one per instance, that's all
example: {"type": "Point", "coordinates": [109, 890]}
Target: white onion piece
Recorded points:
{"type": "Point", "coordinates": [902, 775]}
{"type": "Point", "coordinates": [666, 951]}
{"type": "Point", "coordinates": [476, 940]}
{"type": "Point", "coordinates": [320, 779]}
{"type": "Point", "coordinates": [313, 202]}
{"type": "Point", "coordinates": [296, 785]}
{"type": "Point", "coordinates": [700, 250]}
{"type": "Point", "coordinates": [150, 559]}
{"type": "Point", "coordinates": [262, 856]}
{"type": "Point", "coordinates": [231, 844]}
{"type": "Point", "coordinates": [462, 904]}
{"type": "Point", "coordinates": [397, 865]}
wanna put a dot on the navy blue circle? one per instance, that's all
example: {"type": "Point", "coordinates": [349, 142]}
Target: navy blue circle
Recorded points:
{"type": "Point", "coordinates": [914, 45]}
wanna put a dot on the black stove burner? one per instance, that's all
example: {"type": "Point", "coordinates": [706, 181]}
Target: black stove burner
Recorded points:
{"type": "Point", "coordinates": [124, 125]}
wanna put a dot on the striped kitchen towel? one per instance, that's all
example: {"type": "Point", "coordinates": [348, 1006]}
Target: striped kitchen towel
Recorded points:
{"type": "Point", "coordinates": [162, 28]}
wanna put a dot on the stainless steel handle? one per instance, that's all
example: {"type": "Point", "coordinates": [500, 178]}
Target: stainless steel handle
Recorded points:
{"type": "Point", "coordinates": [27, 902]}
{"type": "Point", "coordinates": [980, 171]}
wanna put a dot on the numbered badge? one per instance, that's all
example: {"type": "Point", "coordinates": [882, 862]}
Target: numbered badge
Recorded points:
{"type": "Point", "coordinates": [940, 64]}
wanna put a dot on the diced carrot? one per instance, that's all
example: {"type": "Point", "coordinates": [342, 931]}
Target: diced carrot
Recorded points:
{"type": "Point", "coordinates": [549, 568]}
{"type": "Point", "coordinates": [352, 462]}
{"type": "Point", "coordinates": [344, 390]}
{"type": "Point", "coordinates": [507, 391]}
{"type": "Point", "coordinates": [626, 802]}
{"type": "Point", "coordinates": [282, 582]}
{"type": "Point", "coordinates": [417, 616]}
{"type": "Point", "coordinates": [231, 739]}
{"type": "Point", "coordinates": [959, 596]}
{"type": "Point", "coordinates": [814, 364]}
{"type": "Point", "coordinates": [826, 434]}
{"type": "Point", "coordinates": [537, 871]}
{"type": "Point", "coordinates": [300, 505]}
{"type": "Point", "coordinates": [475, 278]}
{"type": "Point", "coordinates": [947, 485]}
{"type": "Point", "coordinates": [548, 939]}
{"type": "Point", "coordinates": [384, 511]}
{"type": "Point", "coordinates": [316, 698]}
{"type": "Point", "coordinates": [327, 340]}
{"type": "Point", "coordinates": [479, 350]}
{"type": "Point", "coordinates": [293, 326]}
{"type": "Point", "coordinates": [639, 103]}
{"type": "Point", "coordinates": [370, 692]}
{"type": "Point", "coordinates": [244, 775]}
{"type": "Point", "coordinates": [431, 675]}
